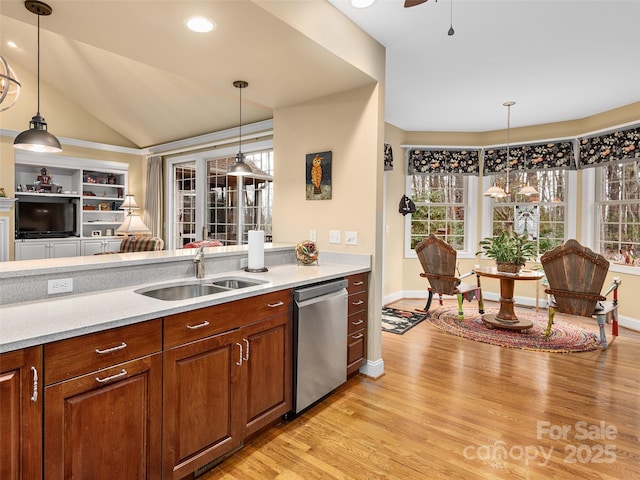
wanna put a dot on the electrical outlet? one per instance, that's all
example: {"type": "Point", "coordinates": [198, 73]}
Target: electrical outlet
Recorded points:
{"type": "Point", "coordinates": [244, 262]}
{"type": "Point", "coordinates": [334, 236]}
{"type": "Point", "coordinates": [312, 235]}
{"type": "Point", "coordinates": [350, 238]}
{"type": "Point", "coordinates": [61, 285]}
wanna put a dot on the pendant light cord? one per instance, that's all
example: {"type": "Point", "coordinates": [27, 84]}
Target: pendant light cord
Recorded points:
{"type": "Point", "coordinates": [38, 64]}
{"type": "Point", "coordinates": [240, 140]}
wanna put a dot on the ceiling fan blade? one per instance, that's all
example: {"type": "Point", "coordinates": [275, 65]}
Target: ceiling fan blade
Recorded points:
{"type": "Point", "coordinates": [413, 3]}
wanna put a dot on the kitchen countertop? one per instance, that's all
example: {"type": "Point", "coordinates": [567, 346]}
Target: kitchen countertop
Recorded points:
{"type": "Point", "coordinates": [33, 323]}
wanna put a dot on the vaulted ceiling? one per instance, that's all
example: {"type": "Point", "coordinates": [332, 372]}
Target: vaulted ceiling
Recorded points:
{"type": "Point", "coordinates": [135, 67]}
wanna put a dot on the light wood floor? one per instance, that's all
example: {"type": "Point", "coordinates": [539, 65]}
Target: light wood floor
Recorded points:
{"type": "Point", "coordinates": [452, 408]}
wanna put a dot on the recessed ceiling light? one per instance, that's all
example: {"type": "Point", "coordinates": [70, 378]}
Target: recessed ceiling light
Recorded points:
{"type": "Point", "coordinates": [362, 3]}
{"type": "Point", "coordinates": [200, 24]}
{"type": "Point", "coordinates": [12, 44]}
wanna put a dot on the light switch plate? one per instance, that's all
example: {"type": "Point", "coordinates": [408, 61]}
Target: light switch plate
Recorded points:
{"type": "Point", "coordinates": [350, 238]}
{"type": "Point", "coordinates": [312, 235]}
{"type": "Point", "coordinates": [334, 236]}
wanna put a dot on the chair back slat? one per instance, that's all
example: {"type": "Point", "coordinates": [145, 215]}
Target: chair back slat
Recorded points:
{"type": "Point", "coordinates": [576, 275]}
{"type": "Point", "coordinates": [438, 258]}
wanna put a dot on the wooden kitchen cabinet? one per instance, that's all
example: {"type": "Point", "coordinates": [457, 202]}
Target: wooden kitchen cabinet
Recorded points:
{"type": "Point", "coordinates": [220, 388]}
{"type": "Point", "coordinates": [104, 422]}
{"type": "Point", "coordinates": [21, 414]}
{"type": "Point", "coordinates": [357, 289]}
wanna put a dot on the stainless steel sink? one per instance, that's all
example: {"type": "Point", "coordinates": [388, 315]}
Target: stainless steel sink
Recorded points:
{"type": "Point", "coordinates": [198, 288]}
{"type": "Point", "coordinates": [234, 283]}
{"type": "Point", "coordinates": [183, 292]}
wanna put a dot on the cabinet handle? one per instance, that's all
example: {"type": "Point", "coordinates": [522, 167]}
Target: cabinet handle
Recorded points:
{"type": "Point", "coordinates": [239, 362]}
{"type": "Point", "coordinates": [359, 322]}
{"type": "Point", "coordinates": [246, 352]}
{"type": "Point", "coordinates": [277, 304]}
{"type": "Point", "coordinates": [123, 373]}
{"type": "Point", "coordinates": [359, 302]}
{"type": "Point", "coordinates": [34, 396]}
{"type": "Point", "coordinates": [358, 336]}
{"type": "Point", "coordinates": [113, 349]}
{"type": "Point", "coordinates": [200, 325]}
{"type": "Point", "coordinates": [357, 284]}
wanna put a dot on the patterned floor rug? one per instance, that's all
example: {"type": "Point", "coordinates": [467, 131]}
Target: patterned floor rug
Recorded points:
{"type": "Point", "coordinates": [400, 321]}
{"type": "Point", "coordinates": [564, 338]}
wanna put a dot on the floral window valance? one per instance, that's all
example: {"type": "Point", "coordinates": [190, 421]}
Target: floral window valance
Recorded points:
{"type": "Point", "coordinates": [530, 157]}
{"type": "Point", "coordinates": [614, 146]}
{"type": "Point", "coordinates": [388, 157]}
{"type": "Point", "coordinates": [444, 162]}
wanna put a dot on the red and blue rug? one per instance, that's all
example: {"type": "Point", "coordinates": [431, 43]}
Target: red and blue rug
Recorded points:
{"type": "Point", "coordinates": [564, 338]}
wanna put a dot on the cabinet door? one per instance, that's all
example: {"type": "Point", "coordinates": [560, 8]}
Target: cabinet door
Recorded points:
{"type": "Point", "coordinates": [204, 389]}
{"type": "Point", "coordinates": [21, 417]}
{"type": "Point", "coordinates": [31, 251]}
{"type": "Point", "coordinates": [268, 363]}
{"type": "Point", "coordinates": [106, 424]}
{"type": "Point", "coordinates": [91, 247]}
{"type": "Point", "coordinates": [64, 248]}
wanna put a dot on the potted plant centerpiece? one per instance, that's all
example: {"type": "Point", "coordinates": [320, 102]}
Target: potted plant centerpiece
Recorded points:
{"type": "Point", "coordinates": [510, 250]}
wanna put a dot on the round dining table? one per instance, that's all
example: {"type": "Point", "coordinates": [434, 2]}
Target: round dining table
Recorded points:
{"type": "Point", "coordinates": [506, 317]}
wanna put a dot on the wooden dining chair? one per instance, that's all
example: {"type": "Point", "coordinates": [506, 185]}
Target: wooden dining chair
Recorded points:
{"type": "Point", "coordinates": [576, 275]}
{"type": "Point", "coordinates": [438, 260]}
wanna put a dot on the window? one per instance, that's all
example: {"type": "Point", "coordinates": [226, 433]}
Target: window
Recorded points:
{"type": "Point", "coordinates": [543, 216]}
{"type": "Point", "coordinates": [618, 212]}
{"type": "Point", "coordinates": [252, 195]}
{"type": "Point", "coordinates": [441, 209]}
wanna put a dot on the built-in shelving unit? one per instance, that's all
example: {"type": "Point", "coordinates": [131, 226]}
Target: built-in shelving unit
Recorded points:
{"type": "Point", "coordinates": [97, 186]}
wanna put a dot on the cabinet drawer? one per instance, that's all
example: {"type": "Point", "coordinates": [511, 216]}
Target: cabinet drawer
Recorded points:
{"type": "Point", "coordinates": [79, 355]}
{"type": "Point", "coordinates": [190, 326]}
{"type": "Point", "coordinates": [357, 302]}
{"type": "Point", "coordinates": [357, 282]}
{"type": "Point", "coordinates": [356, 350]}
{"type": "Point", "coordinates": [357, 321]}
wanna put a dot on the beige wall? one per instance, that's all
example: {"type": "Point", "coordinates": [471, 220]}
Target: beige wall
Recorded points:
{"type": "Point", "coordinates": [411, 281]}
{"type": "Point", "coordinates": [349, 125]}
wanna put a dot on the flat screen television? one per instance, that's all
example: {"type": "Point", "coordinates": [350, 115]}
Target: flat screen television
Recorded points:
{"type": "Point", "coordinates": [46, 217]}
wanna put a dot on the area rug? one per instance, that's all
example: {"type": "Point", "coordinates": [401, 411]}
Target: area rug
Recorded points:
{"type": "Point", "coordinates": [400, 321]}
{"type": "Point", "coordinates": [564, 338]}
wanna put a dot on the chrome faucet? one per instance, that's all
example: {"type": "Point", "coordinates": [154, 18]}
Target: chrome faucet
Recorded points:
{"type": "Point", "coordinates": [198, 261]}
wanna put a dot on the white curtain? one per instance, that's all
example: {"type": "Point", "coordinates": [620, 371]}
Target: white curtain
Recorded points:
{"type": "Point", "coordinates": [154, 196]}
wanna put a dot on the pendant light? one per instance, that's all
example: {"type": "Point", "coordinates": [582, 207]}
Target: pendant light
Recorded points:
{"type": "Point", "coordinates": [240, 167]}
{"type": "Point", "coordinates": [495, 191]}
{"type": "Point", "coordinates": [9, 85]}
{"type": "Point", "coordinates": [37, 138]}
{"type": "Point", "coordinates": [527, 189]}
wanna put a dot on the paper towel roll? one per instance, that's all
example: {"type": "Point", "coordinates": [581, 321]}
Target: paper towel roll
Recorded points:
{"type": "Point", "coordinates": [256, 250]}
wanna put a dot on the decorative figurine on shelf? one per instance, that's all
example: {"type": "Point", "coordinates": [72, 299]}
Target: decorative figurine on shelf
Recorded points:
{"type": "Point", "coordinates": [306, 252]}
{"type": "Point", "coordinates": [111, 179]}
{"type": "Point", "coordinates": [44, 178]}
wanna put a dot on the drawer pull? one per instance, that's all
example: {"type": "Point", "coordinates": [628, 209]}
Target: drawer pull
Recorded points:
{"type": "Point", "coordinates": [277, 304]}
{"type": "Point", "coordinates": [359, 302]}
{"type": "Point", "coordinates": [34, 396]}
{"type": "Point", "coordinates": [123, 373]}
{"type": "Point", "coordinates": [359, 322]}
{"type": "Point", "coordinates": [357, 284]}
{"type": "Point", "coordinates": [113, 349]}
{"type": "Point", "coordinates": [200, 325]}
{"type": "Point", "coordinates": [358, 336]}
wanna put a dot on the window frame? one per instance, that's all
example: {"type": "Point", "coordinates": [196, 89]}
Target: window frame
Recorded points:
{"type": "Point", "coordinates": [470, 192]}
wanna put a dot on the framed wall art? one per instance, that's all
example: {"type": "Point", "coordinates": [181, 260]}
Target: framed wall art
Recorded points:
{"type": "Point", "coordinates": [318, 176]}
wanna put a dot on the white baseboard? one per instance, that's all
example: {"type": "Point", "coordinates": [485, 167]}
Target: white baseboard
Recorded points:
{"type": "Point", "coordinates": [373, 368]}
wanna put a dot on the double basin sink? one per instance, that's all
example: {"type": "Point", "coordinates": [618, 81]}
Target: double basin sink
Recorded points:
{"type": "Point", "coordinates": [197, 288]}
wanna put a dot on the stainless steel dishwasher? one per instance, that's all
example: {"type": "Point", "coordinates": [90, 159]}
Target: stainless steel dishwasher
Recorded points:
{"type": "Point", "coordinates": [319, 342]}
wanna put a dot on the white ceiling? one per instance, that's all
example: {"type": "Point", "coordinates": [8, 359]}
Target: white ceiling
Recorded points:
{"type": "Point", "coordinates": [558, 60]}
{"type": "Point", "coordinates": [133, 65]}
